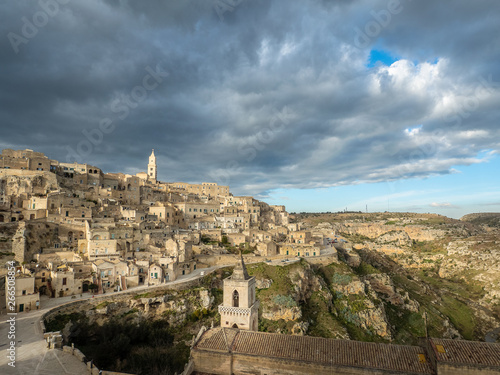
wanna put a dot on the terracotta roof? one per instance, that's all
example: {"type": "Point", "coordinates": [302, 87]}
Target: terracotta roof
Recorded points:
{"type": "Point", "coordinates": [220, 339]}
{"type": "Point", "coordinates": [466, 352]}
{"type": "Point", "coordinates": [328, 352]}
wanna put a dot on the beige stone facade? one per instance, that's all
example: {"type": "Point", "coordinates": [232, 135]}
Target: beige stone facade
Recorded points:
{"type": "Point", "coordinates": [26, 297]}
{"type": "Point", "coordinates": [239, 309]}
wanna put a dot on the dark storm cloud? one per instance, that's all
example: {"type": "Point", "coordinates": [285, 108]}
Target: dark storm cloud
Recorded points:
{"type": "Point", "coordinates": [263, 94]}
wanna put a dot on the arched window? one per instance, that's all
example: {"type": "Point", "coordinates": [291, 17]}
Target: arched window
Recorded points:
{"type": "Point", "coordinates": [236, 299]}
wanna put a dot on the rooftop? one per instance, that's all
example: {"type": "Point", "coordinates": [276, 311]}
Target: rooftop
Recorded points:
{"type": "Point", "coordinates": [329, 352]}
{"type": "Point", "coordinates": [466, 352]}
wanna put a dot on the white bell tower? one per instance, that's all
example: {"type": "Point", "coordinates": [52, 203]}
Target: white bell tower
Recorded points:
{"type": "Point", "coordinates": [152, 172]}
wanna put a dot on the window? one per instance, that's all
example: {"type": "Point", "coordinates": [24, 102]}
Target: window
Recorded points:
{"type": "Point", "coordinates": [64, 281]}
{"type": "Point", "coordinates": [24, 292]}
{"type": "Point", "coordinates": [236, 299]}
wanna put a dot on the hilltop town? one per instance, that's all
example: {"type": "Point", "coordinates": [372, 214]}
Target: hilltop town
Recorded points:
{"type": "Point", "coordinates": [73, 228]}
{"type": "Point", "coordinates": [133, 242]}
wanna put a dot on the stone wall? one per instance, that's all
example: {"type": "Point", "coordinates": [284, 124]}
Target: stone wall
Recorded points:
{"type": "Point", "coordinates": [232, 363]}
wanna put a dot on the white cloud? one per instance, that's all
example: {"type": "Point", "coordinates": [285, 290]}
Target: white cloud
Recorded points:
{"type": "Point", "coordinates": [442, 205]}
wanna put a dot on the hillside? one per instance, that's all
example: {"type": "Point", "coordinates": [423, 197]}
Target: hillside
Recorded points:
{"type": "Point", "coordinates": [490, 219]}
{"type": "Point", "coordinates": [455, 264]}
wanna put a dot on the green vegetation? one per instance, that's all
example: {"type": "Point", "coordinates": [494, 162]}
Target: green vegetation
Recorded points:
{"type": "Point", "coordinates": [59, 322]}
{"type": "Point", "coordinates": [470, 289]}
{"type": "Point", "coordinates": [408, 325]}
{"type": "Point", "coordinates": [366, 269]}
{"type": "Point", "coordinates": [282, 285]}
{"type": "Point", "coordinates": [286, 301]}
{"type": "Point", "coordinates": [355, 238]}
{"type": "Point", "coordinates": [143, 295]}
{"type": "Point", "coordinates": [102, 305]}
{"type": "Point", "coordinates": [323, 323]}
{"type": "Point", "coordinates": [144, 348]}
{"type": "Point", "coordinates": [433, 247]}
{"type": "Point", "coordinates": [460, 315]}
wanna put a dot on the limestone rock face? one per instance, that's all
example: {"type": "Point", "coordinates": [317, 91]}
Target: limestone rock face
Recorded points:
{"type": "Point", "coordinates": [300, 328]}
{"type": "Point", "coordinates": [390, 233]}
{"type": "Point", "coordinates": [354, 287]}
{"type": "Point", "coordinates": [384, 287]}
{"type": "Point", "coordinates": [400, 238]}
{"type": "Point", "coordinates": [263, 283]}
{"type": "Point", "coordinates": [282, 312]}
{"type": "Point", "coordinates": [206, 299]}
{"type": "Point", "coordinates": [374, 319]}
{"type": "Point", "coordinates": [306, 283]}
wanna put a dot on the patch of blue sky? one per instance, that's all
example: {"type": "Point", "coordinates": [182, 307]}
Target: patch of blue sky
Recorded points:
{"type": "Point", "coordinates": [381, 57]}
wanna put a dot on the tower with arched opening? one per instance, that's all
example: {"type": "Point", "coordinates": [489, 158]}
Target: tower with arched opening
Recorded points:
{"type": "Point", "coordinates": [239, 308]}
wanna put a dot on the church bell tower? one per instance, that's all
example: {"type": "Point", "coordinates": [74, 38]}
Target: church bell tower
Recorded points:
{"type": "Point", "coordinates": [152, 173]}
{"type": "Point", "coordinates": [239, 308]}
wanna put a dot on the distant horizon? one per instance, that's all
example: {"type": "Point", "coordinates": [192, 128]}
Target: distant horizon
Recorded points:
{"type": "Point", "coordinates": [389, 212]}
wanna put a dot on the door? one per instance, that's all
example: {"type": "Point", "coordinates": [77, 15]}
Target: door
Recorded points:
{"type": "Point", "coordinates": [21, 307]}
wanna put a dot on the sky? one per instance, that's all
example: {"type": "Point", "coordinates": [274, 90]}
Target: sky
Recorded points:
{"type": "Point", "coordinates": [320, 105]}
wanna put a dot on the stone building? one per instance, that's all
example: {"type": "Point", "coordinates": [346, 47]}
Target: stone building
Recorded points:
{"type": "Point", "coordinates": [233, 351]}
{"type": "Point", "coordinates": [26, 296]}
{"type": "Point", "coordinates": [239, 309]}
{"type": "Point", "coordinates": [24, 159]}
